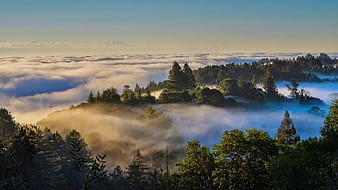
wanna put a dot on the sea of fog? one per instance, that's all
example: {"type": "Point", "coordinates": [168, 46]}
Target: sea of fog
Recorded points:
{"type": "Point", "coordinates": [33, 87]}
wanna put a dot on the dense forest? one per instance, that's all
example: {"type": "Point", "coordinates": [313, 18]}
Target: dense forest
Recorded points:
{"type": "Point", "coordinates": [224, 85]}
{"type": "Point", "coordinates": [35, 158]}
{"type": "Point", "coordinates": [41, 157]}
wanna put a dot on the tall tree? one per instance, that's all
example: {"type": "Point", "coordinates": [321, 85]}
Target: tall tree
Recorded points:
{"type": "Point", "coordinates": [7, 124]}
{"type": "Point", "coordinates": [242, 158]}
{"type": "Point", "coordinates": [293, 88]}
{"type": "Point", "coordinates": [330, 129]}
{"type": "Point", "coordinates": [269, 83]}
{"type": "Point", "coordinates": [91, 98]}
{"type": "Point", "coordinates": [196, 169]}
{"type": "Point", "coordinates": [287, 133]}
{"type": "Point", "coordinates": [138, 173]}
{"type": "Point", "coordinates": [189, 77]}
{"type": "Point", "coordinates": [176, 78]}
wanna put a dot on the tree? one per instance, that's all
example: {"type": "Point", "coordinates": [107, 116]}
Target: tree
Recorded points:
{"type": "Point", "coordinates": [91, 98]}
{"type": "Point", "coordinates": [97, 173]}
{"type": "Point", "coordinates": [128, 96]}
{"type": "Point", "coordinates": [176, 78]}
{"type": "Point", "coordinates": [196, 169]}
{"type": "Point", "coordinates": [110, 96]}
{"type": "Point", "coordinates": [330, 129]}
{"type": "Point", "coordinates": [242, 159]}
{"type": "Point", "coordinates": [79, 159]}
{"type": "Point", "coordinates": [211, 97]}
{"type": "Point", "coordinates": [138, 173]}
{"type": "Point", "coordinates": [230, 85]}
{"type": "Point", "coordinates": [189, 77]}
{"type": "Point", "coordinates": [7, 125]}
{"type": "Point", "coordinates": [269, 83]}
{"type": "Point", "coordinates": [79, 150]}
{"type": "Point", "coordinates": [293, 88]}
{"type": "Point", "coordinates": [287, 133]}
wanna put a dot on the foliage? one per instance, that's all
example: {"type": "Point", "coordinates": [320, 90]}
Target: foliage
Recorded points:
{"type": "Point", "coordinates": [287, 133]}
{"type": "Point", "coordinates": [242, 158]}
{"type": "Point", "coordinates": [197, 168]}
{"type": "Point", "coordinates": [269, 83]}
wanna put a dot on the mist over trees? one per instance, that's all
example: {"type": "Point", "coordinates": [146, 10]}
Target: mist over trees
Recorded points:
{"type": "Point", "coordinates": [36, 157]}
{"type": "Point", "coordinates": [32, 158]}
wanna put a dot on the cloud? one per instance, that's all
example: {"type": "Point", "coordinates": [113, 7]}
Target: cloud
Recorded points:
{"type": "Point", "coordinates": [117, 132]}
{"type": "Point", "coordinates": [31, 83]}
{"type": "Point", "coordinates": [207, 123]}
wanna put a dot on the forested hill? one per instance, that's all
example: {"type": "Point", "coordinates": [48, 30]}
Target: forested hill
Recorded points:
{"type": "Point", "coordinates": [302, 68]}
{"type": "Point", "coordinates": [36, 158]}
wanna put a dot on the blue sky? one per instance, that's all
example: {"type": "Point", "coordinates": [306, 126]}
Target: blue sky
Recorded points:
{"type": "Point", "coordinates": [148, 25]}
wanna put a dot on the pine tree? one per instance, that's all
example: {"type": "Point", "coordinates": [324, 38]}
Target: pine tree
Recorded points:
{"type": "Point", "coordinates": [176, 78]}
{"type": "Point", "coordinates": [269, 83]}
{"type": "Point", "coordinates": [293, 88]}
{"type": "Point", "coordinates": [91, 98]}
{"type": "Point", "coordinates": [330, 129]}
{"type": "Point", "coordinates": [78, 149]}
{"type": "Point", "coordinates": [7, 125]}
{"type": "Point", "coordinates": [189, 77]}
{"type": "Point", "coordinates": [287, 133]}
{"type": "Point", "coordinates": [138, 173]}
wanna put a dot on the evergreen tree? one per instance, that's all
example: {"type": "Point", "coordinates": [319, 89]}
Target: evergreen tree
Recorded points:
{"type": "Point", "coordinates": [7, 125]}
{"type": "Point", "coordinates": [91, 98]}
{"type": "Point", "coordinates": [242, 159]}
{"type": "Point", "coordinates": [78, 149]}
{"type": "Point", "coordinates": [189, 77]}
{"type": "Point", "coordinates": [138, 173]}
{"type": "Point", "coordinates": [196, 169]}
{"type": "Point", "coordinates": [293, 88]}
{"type": "Point", "coordinates": [330, 129]}
{"type": "Point", "coordinates": [176, 78]}
{"type": "Point", "coordinates": [97, 176]}
{"type": "Point", "coordinates": [269, 83]}
{"type": "Point", "coordinates": [79, 160]}
{"type": "Point", "coordinates": [286, 133]}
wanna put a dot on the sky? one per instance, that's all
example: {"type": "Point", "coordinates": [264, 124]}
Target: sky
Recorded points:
{"type": "Point", "coordinates": [45, 27]}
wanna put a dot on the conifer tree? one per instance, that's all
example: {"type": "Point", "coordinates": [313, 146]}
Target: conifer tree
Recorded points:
{"type": "Point", "coordinates": [287, 133]}
{"type": "Point", "coordinates": [269, 83]}
{"type": "Point", "coordinates": [176, 78]}
{"type": "Point", "coordinates": [7, 124]}
{"type": "Point", "coordinates": [138, 173]}
{"type": "Point", "coordinates": [189, 77]}
{"type": "Point", "coordinates": [330, 129]}
{"type": "Point", "coordinates": [78, 149]}
{"type": "Point", "coordinates": [91, 98]}
{"type": "Point", "coordinates": [293, 88]}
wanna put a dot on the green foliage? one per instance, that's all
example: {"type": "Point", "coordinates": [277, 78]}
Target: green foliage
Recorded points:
{"type": "Point", "coordinates": [330, 129]}
{"type": "Point", "coordinates": [293, 88]}
{"type": "Point", "coordinates": [301, 69]}
{"type": "Point", "coordinates": [287, 133]}
{"type": "Point", "coordinates": [269, 83]}
{"type": "Point", "coordinates": [214, 97]}
{"type": "Point", "coordinates": [176, 79]}
{"type": "Point", "coordinates": [97, 173]}
{"type": "Point", "coordinates": [138, 175]}
{"type": "Point", "coordinates": [7, 125]}
{"type": "Point", "coordinates": [242, 158]}
{"type": "Point", "coordinates": [196, 169]}
{"type": "Point", "coordinates": [307, 166]}
{"type": "Point", "coordinates": [189, 77]}
{"type": "Point", "coordinates": [79, 151]}
{"type": "Point", "coordinates": [230, 85]}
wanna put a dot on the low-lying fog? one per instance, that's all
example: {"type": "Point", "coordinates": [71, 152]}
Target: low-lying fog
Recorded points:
{"type": "Point", "coordinates": [29, 85]}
